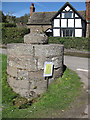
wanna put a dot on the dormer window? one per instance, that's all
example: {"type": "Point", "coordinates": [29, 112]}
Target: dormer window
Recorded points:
{"type": "Point", "coordinates": [67, 15]}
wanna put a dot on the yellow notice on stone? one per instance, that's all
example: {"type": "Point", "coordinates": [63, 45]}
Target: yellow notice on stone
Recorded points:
{"type": "Point", "coordinates": [48, 68]}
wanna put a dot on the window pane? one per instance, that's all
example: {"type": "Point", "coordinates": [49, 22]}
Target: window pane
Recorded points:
{"type": "Point", "coordinates": [67, 32]}
{"type": "Point", "coordinates": [68, 15]}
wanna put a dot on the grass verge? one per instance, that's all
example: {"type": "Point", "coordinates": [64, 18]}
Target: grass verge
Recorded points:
{"type": "Point", "coordinates": [61, 93]}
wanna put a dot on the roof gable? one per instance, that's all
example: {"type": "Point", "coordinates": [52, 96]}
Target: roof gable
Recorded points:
{"type": "Point", "coordinates": [66, 6]}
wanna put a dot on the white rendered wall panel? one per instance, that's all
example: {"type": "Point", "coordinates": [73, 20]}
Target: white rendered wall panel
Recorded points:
{"type": "Point", "coordinates": [78, 32]}
{"type": "Point", "coordinates": [63, 22]}
{"type": "Point", "coordinates": [62, 15]}
{"type": "Point", "coordinates": [56, 22]}
{"type": "Point", "coordinates": [58, 16]}
{"type": "Point", "coordinates": [78, 23]}
{"type": "Point", "coordinates": [76, 15]}
{"type": "Point", "coordinates": [72, 15]}
{"type": "Point", "coordinates": [56, 32]}
{"type": "Point", "coordinates": [67, 8]}
{"type": "Point", "coordinates": [70, 22]}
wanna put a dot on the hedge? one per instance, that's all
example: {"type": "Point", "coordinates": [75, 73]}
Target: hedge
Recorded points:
{"type": "Point", "coordinates": [79, 43]}
{"type": "Point", "coordinates": [13, 34]}
{"type": "Point", "coordinates": [8, 25]}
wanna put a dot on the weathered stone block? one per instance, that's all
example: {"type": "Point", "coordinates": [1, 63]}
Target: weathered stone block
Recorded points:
{"type": "Point", "coordinates": [22, 74]}
{"type": "Point", "coordinates": [48, 50]}
{"type": "Point", "coordinates": [37, 80]}
{"type": "Point", "coordinates": [36, 76]}
{"type": "Point", "coordinates": [57, 61]}
{"type": "Point", "coordinates": [10, 80]}
{"type": "Point", "coordinates": [20, 49]}
{"type": "Point", "coordinates": [41, 60]}
{"type": "Point", "coordinates": [41, 87]}
{"type": "Point", "coordinates": [35, 38]}
{"type": "Point", "coordinates": [58, 72]}
{"type": "Point", "coordinates": [22, 92]}
{"type": "Point", "coordinates": [38, 28]}
{"type": "Point", "coordinates": [18, 83]}
{"type": "Point", "coordinates": [23, 62]}
{"type": "Point", "coordinates": [19, 86]}
{"type": "Point", "coordinates": [12, 71]}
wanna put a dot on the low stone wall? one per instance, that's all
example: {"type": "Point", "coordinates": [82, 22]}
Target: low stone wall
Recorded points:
{"type": "Point", "coordinates": [38, 28]}
{"type": "Point", "coordinates": [25, 67]}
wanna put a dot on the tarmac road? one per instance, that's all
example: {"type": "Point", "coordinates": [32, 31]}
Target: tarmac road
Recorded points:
{"type": "Point", "coordinates": [81, 67]}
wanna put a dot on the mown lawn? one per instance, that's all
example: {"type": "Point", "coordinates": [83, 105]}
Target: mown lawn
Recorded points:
{"type": "Point", "coordinates": [61, 93]}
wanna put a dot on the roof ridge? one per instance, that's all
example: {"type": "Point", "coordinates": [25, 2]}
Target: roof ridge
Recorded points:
{"type": "Point", "coordinates": [45, 12]}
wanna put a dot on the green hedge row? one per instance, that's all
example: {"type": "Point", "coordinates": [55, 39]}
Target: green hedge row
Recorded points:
{"type": "Point", "coordinates": [8, 25]}
{"type": "Point", "coordinates": [79, 43]}
{"type": "Point", "coordinates": [13, 34]}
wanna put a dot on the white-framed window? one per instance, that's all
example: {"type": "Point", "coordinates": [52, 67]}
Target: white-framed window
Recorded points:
{"type": "Point", "coordinates": [67, 32]}
{"type": "Point", "coordinates": [67, 15]}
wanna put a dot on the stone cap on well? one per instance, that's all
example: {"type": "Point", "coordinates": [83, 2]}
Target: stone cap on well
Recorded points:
{"type": "Point", "coordinates": [36, 38]}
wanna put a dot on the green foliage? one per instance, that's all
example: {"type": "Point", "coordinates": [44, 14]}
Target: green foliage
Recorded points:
{"type": "Point", "coordinates": [2, 17]}
{"type": "Point", "coordinates": [8, 25]}
{"type": "Point", "coordinates": [13, 34]}
{"type": "Point", "coordinates": [23, 19]}
{"type": "Point", "coordinates": [71, 42]}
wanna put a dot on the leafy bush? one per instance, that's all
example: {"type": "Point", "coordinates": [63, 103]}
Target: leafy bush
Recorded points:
{"type": "Point", "coordinates": [8, 25]}
{"type": "Point", "coordinates": [71, 42]}
{"type": "Point", "coordinates": [13, 34]}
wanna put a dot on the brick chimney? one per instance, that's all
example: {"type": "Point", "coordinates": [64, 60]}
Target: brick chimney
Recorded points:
{"type": "Point", "coordinates": [32, 9]}
{"type": "Point", "coordinates": [88, 10]}
{"type": "Point", "coordinates": [88, 18]}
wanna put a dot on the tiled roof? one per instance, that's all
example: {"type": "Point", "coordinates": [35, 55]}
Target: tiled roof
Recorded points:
{"type": "Point", "coordinates": [43, 18]}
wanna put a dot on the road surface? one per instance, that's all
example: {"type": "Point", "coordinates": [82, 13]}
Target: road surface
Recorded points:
{"type": "Point", "coordinates": [81, 67]}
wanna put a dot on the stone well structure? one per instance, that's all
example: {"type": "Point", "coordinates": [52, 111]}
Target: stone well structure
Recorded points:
{"type": "Point", "coordinates": [25, 64]}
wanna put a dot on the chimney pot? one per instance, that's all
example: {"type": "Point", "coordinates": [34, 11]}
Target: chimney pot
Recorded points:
{"type": "Point", "coordinates": [32, 9]}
